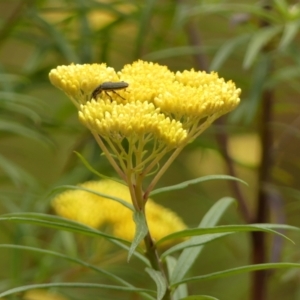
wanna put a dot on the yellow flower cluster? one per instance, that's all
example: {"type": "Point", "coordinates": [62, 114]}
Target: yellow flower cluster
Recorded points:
{"type": "Point", "coordinates": [108, 118]}
{"type": "Point", "coordinates": [95, 211]}
{"type": "Point", "coordinates": [79, 81]}
{"type": "Point", "coordinates": [146, 80]}
{"type": "Point", "coordinates": [196, 95]}
{"type": "Point", "coordinates": [185, 97]}
{"type": "Point", "coordinates": [157, 112]}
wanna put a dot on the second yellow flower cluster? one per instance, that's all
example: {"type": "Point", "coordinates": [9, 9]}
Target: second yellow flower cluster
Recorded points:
{"type": "Point", "coordinates": [95, 211]}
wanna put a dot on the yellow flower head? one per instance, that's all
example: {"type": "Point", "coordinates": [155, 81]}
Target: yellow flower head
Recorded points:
{"type": "Point", "coordinates": [132, 121]}
{"type": "Point", "coordinates": [95, 211]}
{"type": "Point", "coordinates": [186, 97]}
{"type": "Point", "coordinates": [197, 95]}
{"type": "Point", "coordinates": [79, 81]}
{"type": "Point", "coordinates": [146, 80]}
{"type": "Point", "coordinates": [82, 206]}
{"type": "Point", "coordinates": [159, 110]}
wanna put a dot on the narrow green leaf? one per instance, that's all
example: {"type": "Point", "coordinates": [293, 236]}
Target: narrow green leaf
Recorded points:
{"type": "Point", "coordinates": [20, 129]}
{"type": "Point", "coordinates": [185, 184]}
{"type": "Point", "coordinates": [181, 290]}
{"type": "Point", "coordinates": [160, 281]}
{"type": "Point", "coordinates": [259, 40]}
{"type": "Point", "coordinates": [8, 79]}
{"type": "Point", "coordinates": [56, 222]}
{"type": "Point", "coordinates": [239, 270]}
{"type": "Point", "coordinates": [185, 261]}
{"type": "Point", "coordinates": [282, 7]}
{"type": "Point", "coordinates": [73, 285]}
{"type": "Point", "coordinates": [291, 29]}
{"type": "Point", "coordinates": [189, 255]}
{"type": "Point", "coordinates": [86, 32]}
{"type": "Point", "coordinates": [22, 110]}
{"type": "Point", "coordinates": [259, 77]}
{"type": "Point", "coordinates": [90, 168]}
{"type": "Point", "coordinates": [25, 100]}
{"type": "Point", "coordinates": [226, 50]}
{"type": "Point", "coordinates": [226, 228]}
{"type": "Point", "coordinates": [62, 43]}
{"type": "Point", "coordinates": [145, 15]}
{"type": "Point", "coordinates": [199, 297]}
{"type": "Point", "coordinates": [68, 258]}
{"type": "Point", "coordinates": [59, 223]}
{"type": "Point", "coordinates": [224, 8]}
{"type": "Point", "coordinates": [141, 229]}
{"type": "Point", "coordinates": [284, 75]}
{"type": "Point", "coordinates": [36, 58]}
{"type": "Point", "coordinates": [215, 213]}
{"type": "Point", "coordinates": [74, 187]}
{"type": "Point", "coordinates": [77, 261]}
{"type": "Point", "coordinates": [200, 240]}
{"type": "Point", "coordinates": [15, 173]}
{"type": "Point", "coordinates": [173, 52]}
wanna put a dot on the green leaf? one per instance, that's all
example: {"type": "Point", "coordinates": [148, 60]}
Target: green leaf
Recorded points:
{"type": "Point", "coordinates": [215, 213]}
{"type": "Point", "coordinates": [226, 228]}
{"type": "Point", "coordinates": [61, 42]}
{"type": "Point", "coordinates": [11, 79]}
{"type": "Point", "coordinates": [284, 75]}
{"type": "Point", "coordinates": [259, 40]}
{"type": "Point", "coordinates": [185, 184]}
{"type": "Point", "coordinates": [73, 285]}
{"type": "Point", "coordinates": [146, 12]}
{"type": "Point", "coordinates": [17, 108]}
{"type": "Point", "coordinates": [259, 77]}
{"type": "Point", "coordinates": [86, 33]}
{"type": "Point", "coordinates": [173, 52]}
{"type": "Point", "coordinates": [200, 240]}
{"type": "Point", "coordinates": [281, 6]}
{"type": "Point", "coordinates": [230, 8]}
{"type": "Point", "coordinates": [59, 223]}
{"type": "Point", "coordinates": [189, 255]}
{"type": "Point", "coordinates": [181, 290]}
{"type": "Point", "coordinates": [160, 281]}
{"type": "Point", "coordinates": [34, 103]}
{"type": "Point", "coordinates": [235, 271]}
{"type": "Point", "coordinates": [291, 29]}
{"type": "Point", "coordinates": [77, 261]}
{"type": "Point", "coordinates": [68, 258]}
{"type": "Point", "coordinates": [199, 297]}
{"type": "Point", "coordinates": [74, 187]}
{"type": "Point", "coordinates": [226, 49]}
{"type": "Point", "coordinates": [141, 229]}
{"type": "Point", "coordinates": [90, 168]}
{"type": "Point", "coordinates": [56, 222]}
{"type": "Point", "coordinates": [20, 129]}
{"type": "Point", "coordinates": [15, 173]}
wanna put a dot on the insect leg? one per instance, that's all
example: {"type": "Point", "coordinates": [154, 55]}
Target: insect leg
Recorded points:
{"type": "Point", "coordinates": [118, 94]}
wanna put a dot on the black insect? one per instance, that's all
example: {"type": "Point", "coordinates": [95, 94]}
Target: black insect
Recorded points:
{"type": "Point", "coordinates": [109, 87]}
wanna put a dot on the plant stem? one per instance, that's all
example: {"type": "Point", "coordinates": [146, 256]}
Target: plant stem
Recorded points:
{"type": "Point", "coordinates": [151, 250]}
{"type": "Point", "coordinates": [153, 256]}
{"type": "Point", "coordinates": [108, 156]}
{"type": "Point", "coordinates": [259, 283]}
{"type": "Point", "coordinates": [222, 139]}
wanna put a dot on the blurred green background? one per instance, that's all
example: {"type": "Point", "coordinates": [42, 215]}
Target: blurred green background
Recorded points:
{"type": "Point", "coordinates": [255, 44]}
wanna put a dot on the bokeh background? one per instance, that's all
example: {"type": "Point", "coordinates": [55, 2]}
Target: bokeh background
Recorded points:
{"type": "Point", "coordinates": [255, 44]}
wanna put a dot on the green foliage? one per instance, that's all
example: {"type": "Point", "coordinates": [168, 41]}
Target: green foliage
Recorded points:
{"type": "Point", "coordinates": [177, 272]}
{"type": "Point", "coordinates": [255, 46]}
